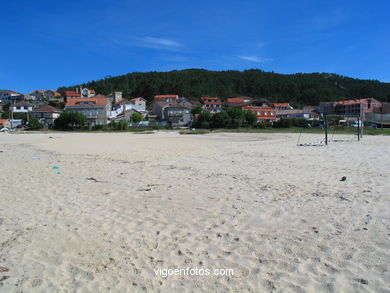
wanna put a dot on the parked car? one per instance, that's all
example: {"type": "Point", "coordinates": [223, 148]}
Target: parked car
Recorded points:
{"type": "Point", "coordinates": [318, 125]}
{"type": "Point", "coordinates": [356, 123]}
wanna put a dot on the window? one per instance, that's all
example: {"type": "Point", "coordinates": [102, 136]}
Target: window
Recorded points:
{"type": "Point", "coordinates": [265, 113]}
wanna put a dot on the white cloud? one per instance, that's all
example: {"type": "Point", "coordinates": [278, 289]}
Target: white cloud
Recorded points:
{"type": "Point", "coordinates": [255, 59]}
{"type": "Point", "coordinates": [158, 43]}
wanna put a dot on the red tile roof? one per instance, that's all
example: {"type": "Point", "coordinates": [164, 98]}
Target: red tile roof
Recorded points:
{"type": "Point", "coordinates": [72, 94]}
{"type": "Point", "coordinates": [13, 93]}
{"type": "Point", "coordinates": [49, 109]}
{"type": "Point", "coordinates": [54, 92]}
{"type": "Point", "coordinates": [97, 101]}
{"type": "Point", "coordinates": [281, 104]}
{"type": "Point", "coordinates": [209, 98]}
{"type": "Point", "coordinates": [166, 96]}
{"type": "Point", "coordinates": [212, 103]}
{"type": "Point", "coordinates": [239, 99]}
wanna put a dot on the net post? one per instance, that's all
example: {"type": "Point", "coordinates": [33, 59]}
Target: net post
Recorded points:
{"type": "Point", "coordinates": [326, 129]}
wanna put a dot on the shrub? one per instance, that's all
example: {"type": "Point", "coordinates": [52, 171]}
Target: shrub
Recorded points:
{"type": "Point", "coordinates": [68, 120]}
{"type": "Point", "coordinates": [34, 124]}
{"type": "Point", "coordinates": [136, 117]}
{"type": "Point", "coordinates": [220, 120]}
{"type": "Point", "coordinates": [250, 118]}
{"type": "Point", "coordinates": [283, 123]}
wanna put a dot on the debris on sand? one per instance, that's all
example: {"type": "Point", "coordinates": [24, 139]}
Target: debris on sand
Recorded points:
{"type": "Point", "coordinates": [344, 178]}
{"type": "Point", "coordinates": [145, 189]}
{"type": "Point", "coordinates": [3, 269]}
{"type": "Point", "coordinates": [4, 278]}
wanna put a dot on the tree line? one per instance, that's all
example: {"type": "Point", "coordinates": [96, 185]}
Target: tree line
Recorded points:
{"type": "Point", "coordinates": [299, 89]}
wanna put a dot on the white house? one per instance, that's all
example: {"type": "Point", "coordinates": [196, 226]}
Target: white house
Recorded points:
{"type": "Point", "coordinates": [137, 104]}
{"type": "Point", "coordinates": [10, 96]}
{"type": "Point", "coordinates": [22, 107]}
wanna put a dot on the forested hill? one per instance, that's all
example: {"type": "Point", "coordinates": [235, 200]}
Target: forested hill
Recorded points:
{"type": "Point", "coordinates": [299, 89]}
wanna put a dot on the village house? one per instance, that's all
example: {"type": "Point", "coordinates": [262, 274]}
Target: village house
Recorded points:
{"type": "Point", "coordinates": [350, 108]}
{"type": "Point", "coordinates": [158, 109]}
{"type": "Point", "coordinates": [263, 110]}
{"type": "Point", "coordinates": [96, 109]}
{"type": "Point", "coordinates": [263, 114]}
{"type": "Point", "coordinates": [46, 114]}
{"type": "Point", "coordinates": [22, 107]}
{"type": "Point", "coordinates": [212, 104]}
{"type": "Point", "coordinates": [282, 106]}
{"type": "Point", "coordinates": [10, 97]}
{"type": "Point", "coordinates": [53, 96]}
{"type": "Point", "coordinates": [49, 95]}
{"type": "Point", "coordinates": [177, 115]}
{"type": "Point", "coordinates": [85, 93]}
{"type": "Point", "coordinates": [137, 104]}
{"type": "Point", "coordinates": [35, 95]}
{"type": "Point", "coordinates": [71, 95]}
{"type": "Point", "coordinates": [166, 98]}
{"type": "Point", "coordinates": [379, 115]}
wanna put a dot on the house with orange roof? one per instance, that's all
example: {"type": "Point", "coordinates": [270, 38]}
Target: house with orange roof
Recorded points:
{"type": "Point", "coordinates": [282, 106]}
{"type": "Point", "coordinates": [96, 109]}
{"type": "Point", "coordinates": [166, 98]}
{"type": "Point", "coordinates": [212, 104]}
{"type": "Point", "coordinates": [10, 96]}
{"type": "Point", "coordinates": [53, 96]}
{"type": "Point", "coordinates": [40, 95]}
{"type": "Point", "coordinates": [263, 114]}
{"type": "Point", "coordinates": [233, 102]}
{"type": "Point", "coordinates": [71, 95]}
{"type": "Point", "coordinates": [350, 108]}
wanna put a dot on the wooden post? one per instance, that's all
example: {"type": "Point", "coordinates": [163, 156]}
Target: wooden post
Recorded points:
{"type": "Point", "coordinates": [358, 129]}
{"type": "Point", "coordinates": [326, 129]}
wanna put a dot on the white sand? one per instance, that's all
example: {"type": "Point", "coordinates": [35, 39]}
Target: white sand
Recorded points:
{"type": "Point", "coordinates": [275, 213]}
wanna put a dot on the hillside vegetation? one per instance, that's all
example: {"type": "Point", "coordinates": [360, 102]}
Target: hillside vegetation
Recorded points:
{"type": "Point", "coordinates": [299, 89]}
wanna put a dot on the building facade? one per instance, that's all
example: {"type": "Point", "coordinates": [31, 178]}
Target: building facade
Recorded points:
{"type": "Point", "coordinates": [22, 107]}
{"type": "Point", "coordinates": [46, 114]}
{"type": "Point", "coordinates": [96, 109]}
{"type": "Point", "coordinates": [263, 114]}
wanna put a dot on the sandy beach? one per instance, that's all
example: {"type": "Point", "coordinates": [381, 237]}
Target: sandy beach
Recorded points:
{"type": "Point", "coordinates": [101, 212]}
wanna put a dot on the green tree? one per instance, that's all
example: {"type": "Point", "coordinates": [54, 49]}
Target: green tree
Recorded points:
{"type": "Point", "coordinates": [34, 124]}
{"type": "Point", "coordinates": [196, 110]}
{"type": "Point", "coordinates": [250, 118]}
{"type": "Point", "coordinates": [70, 119]}
{"type": "Point", "coordinates": [220, 120]}
{"type": "Point", "coordinates": [136, 117]}
{"type": "Point", "coordinates": [237, 117]}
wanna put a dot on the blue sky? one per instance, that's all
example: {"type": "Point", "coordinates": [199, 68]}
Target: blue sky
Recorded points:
{"type": "Point", "coordinates": [47, 44]}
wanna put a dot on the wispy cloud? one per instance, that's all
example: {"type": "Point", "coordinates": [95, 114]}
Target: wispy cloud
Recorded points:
{"type": "Point", "coordinates": [255, 59]}
{"type": "Point", "coordinates": [161, 44]}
